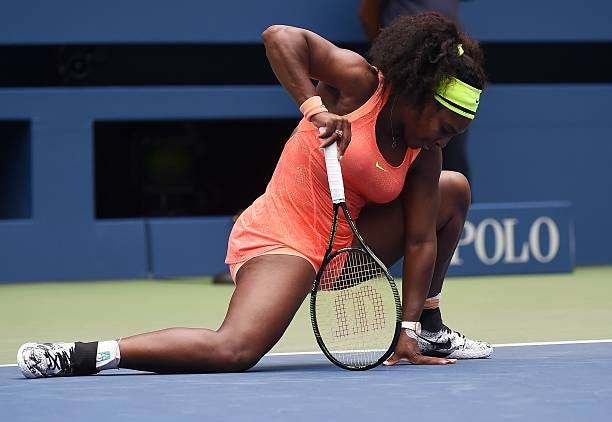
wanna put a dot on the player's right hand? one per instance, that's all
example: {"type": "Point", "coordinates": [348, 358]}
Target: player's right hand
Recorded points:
{"type": "Point", "coordinates": [333, 128]}
{"type": "Point", "coordinates": [407, 350]}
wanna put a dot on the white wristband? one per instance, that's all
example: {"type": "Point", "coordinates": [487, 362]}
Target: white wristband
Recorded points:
{"type": "Point", "coordinates": [413, 326]}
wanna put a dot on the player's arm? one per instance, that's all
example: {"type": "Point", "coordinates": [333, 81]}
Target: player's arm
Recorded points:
{"type": "Point", "coordinates": [298, 55]}
{"type": "Point", "coordinates": [421, 200]}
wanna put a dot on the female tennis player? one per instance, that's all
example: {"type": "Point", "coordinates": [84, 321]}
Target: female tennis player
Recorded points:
{"type": "Point", "coordinates": [390, 120]}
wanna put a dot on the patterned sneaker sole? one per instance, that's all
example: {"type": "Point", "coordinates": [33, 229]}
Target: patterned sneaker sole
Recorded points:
{"type": "Point", "coordinates": [468, 354]}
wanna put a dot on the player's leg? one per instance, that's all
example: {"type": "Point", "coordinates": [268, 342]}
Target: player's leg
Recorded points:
{"type": "Point", "coordinates": [382, 228]}
{"type": "Point", "coordinates": [269, 290]}
{"type": "Point", "coordinates": [454, 205]}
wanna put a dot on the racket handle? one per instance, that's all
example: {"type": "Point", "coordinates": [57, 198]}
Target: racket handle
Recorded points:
{"type": "Point", "coordinates": [334, 173]}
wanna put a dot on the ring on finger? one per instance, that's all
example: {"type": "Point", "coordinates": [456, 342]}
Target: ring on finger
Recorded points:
{"type": "Point", "coordinates": [338, 132]}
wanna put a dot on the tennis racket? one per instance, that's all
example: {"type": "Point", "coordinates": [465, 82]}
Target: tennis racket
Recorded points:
{"type": "Point", "coordinates": [354, 304]}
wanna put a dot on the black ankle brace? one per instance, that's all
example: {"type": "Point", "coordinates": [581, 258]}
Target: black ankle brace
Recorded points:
{"type": "Point", "coordinates": [431, 320]}
{"type": "Point", "coordinates": [84, 358]}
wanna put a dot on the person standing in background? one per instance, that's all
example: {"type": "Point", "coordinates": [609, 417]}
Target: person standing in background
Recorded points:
{"type": "Point", "coordinates": [378, 14]}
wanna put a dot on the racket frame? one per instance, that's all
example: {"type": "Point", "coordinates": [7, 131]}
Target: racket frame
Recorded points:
{"type": "Point", "coordinates": [313, 294]}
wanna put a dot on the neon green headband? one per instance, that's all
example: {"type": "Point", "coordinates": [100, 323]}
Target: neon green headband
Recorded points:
{"type": "Point", "coordinates": [458, 96]}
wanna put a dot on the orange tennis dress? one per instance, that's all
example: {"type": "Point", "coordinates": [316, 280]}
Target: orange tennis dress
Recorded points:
{"type": "Point", "coordinates": [294, 215]}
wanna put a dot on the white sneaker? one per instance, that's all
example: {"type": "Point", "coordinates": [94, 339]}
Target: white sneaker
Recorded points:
{"type": "Point", "coordinates": [38, 360]}
{"type": "Point", "coordinates": [452, 344]}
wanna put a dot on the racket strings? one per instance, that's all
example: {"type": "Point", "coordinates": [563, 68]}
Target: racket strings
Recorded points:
{"type": "Point", "coordinates": [359, 300]}
{"type": "Point", "coordinates": [356, 309]}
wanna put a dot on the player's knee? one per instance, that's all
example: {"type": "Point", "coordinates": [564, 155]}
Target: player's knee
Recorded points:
{"type": "Point", "coordinates": [458, 188]}
{"type": "Point", "coordinates": [243, 360]}
{"type": "Point", "coordinates": [240, 356]}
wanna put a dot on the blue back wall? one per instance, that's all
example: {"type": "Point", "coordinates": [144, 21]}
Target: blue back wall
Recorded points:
{"type": "Point", "coordinates": [529, 143]}
{"type": "Point", "coordinates": [72, 21]}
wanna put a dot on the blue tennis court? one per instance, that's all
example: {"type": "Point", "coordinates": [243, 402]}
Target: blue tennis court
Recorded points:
{"type": "Point", "coordinates": [144, 147]}
{"type": "Point", "coordinates": [554, 382]}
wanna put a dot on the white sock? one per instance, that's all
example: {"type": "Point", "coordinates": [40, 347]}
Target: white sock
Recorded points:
{"type": "Point", "coordinates": [108, 355]}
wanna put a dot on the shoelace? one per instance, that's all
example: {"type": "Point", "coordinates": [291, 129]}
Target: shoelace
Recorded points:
{"type": "Point", "coordinates": [448, 330]}
{"type": "Point", "coordinates": [61, 360]}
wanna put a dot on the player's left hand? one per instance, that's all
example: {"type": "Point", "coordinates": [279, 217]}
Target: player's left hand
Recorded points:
{"type": "Point", "coordinates": [407, 350]}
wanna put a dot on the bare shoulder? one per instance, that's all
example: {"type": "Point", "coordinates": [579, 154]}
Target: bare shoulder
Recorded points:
{"type": "Point", "coordinates": [357, 72]}
{"type": "Point", "coordinates": [354, 82]}
{"type": "Point", "coordinates": [362, 77]}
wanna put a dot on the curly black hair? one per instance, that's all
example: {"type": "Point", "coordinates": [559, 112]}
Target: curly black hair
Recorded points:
{"type": "Point", "coordinates": [415, 53]}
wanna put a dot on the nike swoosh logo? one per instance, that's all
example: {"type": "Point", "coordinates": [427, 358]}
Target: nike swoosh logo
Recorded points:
{"type": "Point", "coordinates": [446, 345]}
{"type": "Point", "coordinates": [378, 166]}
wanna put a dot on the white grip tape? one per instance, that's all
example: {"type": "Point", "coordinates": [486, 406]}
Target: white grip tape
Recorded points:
{"type": "Point", "coordinates": [334, 173]}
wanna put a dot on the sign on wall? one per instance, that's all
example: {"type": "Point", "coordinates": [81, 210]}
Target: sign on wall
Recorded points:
{"type": "Point", "coordinates": [515, 238]}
